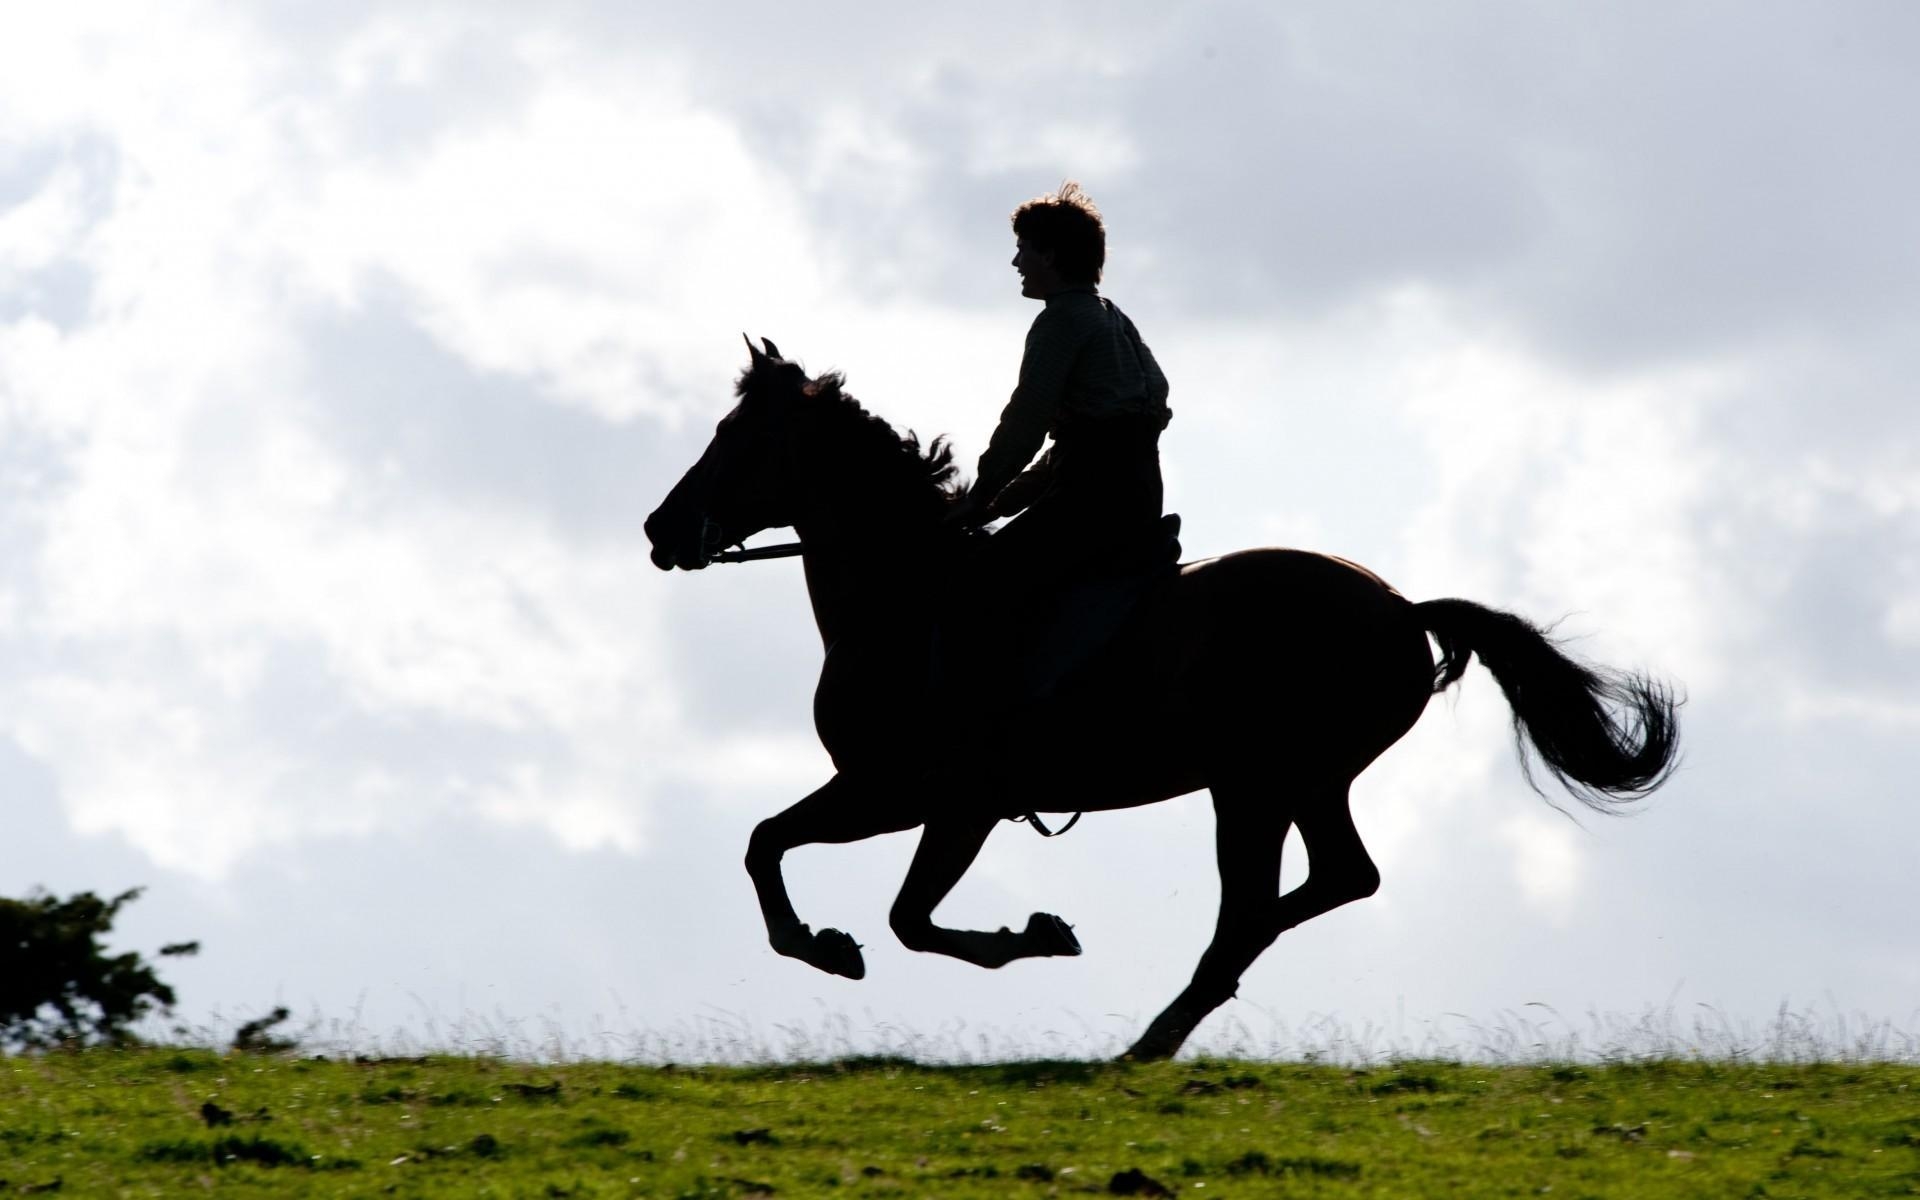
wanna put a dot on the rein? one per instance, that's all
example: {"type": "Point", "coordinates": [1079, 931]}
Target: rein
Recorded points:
{"type": "Point", "coordinates": [781, 550]}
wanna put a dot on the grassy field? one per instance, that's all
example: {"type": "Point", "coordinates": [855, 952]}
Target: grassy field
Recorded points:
{"type": "Point", "coordinates": [172, 1123]}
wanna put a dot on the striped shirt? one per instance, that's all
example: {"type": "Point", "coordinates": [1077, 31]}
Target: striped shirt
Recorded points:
{"type": "Point", "coordinates": [1084, 361]}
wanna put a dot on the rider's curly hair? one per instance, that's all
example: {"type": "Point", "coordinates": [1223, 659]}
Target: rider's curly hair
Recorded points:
{"type": "Point", "coordinates": [1067, 224]}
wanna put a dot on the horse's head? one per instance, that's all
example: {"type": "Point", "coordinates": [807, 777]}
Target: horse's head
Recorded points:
{"type": "Point", "coordinates": [801, 452]}
{"type": "Point", "coordinates": [744, 481]}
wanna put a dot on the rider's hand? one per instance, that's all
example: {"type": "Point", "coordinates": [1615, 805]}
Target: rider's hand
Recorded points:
{"type": "Point", "coordinates": [968, 510]}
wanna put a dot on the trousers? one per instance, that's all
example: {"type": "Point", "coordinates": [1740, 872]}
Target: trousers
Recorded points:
{"type": "Point", "coordinates": [1102, 501]}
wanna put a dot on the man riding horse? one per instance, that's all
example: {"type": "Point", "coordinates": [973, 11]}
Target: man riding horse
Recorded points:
{"type": "Point", "coordinates": [1090, 503]}
{"type": "Point", "coordinates": [1270, 677]}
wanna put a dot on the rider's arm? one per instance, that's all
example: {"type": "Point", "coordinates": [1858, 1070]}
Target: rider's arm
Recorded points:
{"type": "Point", "coordinates": [1024, 490]}
{"type": "Point", "coordinates": [1028, 415]}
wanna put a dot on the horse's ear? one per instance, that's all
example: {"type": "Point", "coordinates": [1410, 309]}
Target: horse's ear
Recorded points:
{"type": "Point", "coordinates": [753, 350]}
{"type": "Point", "coordinates": [773, 351]}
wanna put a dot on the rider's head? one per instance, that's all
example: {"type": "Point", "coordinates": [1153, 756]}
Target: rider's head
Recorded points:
{"type": "Point", "coordinates": [1060, 234]}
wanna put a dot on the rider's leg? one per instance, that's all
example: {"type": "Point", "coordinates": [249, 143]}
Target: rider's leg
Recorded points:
{"type": "Point", "coordinates": [845, 809]}
{"type": "Point", "coordinates": [1057, 564]}
{"type": "Point", "coordinates": [1014, 585]}
{"type": "Point", "coordinates": [947, 848]}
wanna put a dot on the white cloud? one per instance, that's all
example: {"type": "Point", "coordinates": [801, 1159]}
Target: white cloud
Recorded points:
{"type": "Point", "coordinates": [1546, 859]}
{"type": "Point", "coordinates": [1559, 494]}
{"type": "Point", "coordinates": [316, 472]}
{"type": "Point", "coordinates": [618, 220]}
{"type": "Point", "coordinates": [194, 526]}
{"type": "Point", "coordinates": [39, 230]}
{"type": "Point", "coordinates": [1099, 148]}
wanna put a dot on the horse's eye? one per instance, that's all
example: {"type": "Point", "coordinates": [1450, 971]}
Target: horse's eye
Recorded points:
{"type": "Point", "coordinates": [737, 429]}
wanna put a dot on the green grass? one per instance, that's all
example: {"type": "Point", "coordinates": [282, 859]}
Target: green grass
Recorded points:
{"type": "Point", "coordinates": [136, 1123]}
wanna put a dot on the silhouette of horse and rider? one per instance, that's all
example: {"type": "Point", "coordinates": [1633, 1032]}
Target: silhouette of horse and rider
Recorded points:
{"type": "Point", "coordinates": [1068, 662]}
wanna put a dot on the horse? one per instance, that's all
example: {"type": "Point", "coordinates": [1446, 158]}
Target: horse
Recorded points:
{"type": "Point", "coordinates": [1269, 677]}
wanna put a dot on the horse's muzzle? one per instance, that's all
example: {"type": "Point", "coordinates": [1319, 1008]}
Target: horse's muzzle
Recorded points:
{"type": "Point", "coordinates": [687, 553]}
{"type": "Point", "coordinates": [669, 551]}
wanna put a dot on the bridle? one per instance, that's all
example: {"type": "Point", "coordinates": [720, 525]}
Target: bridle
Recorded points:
{"type": "Point", "coordinates": [712, 546]}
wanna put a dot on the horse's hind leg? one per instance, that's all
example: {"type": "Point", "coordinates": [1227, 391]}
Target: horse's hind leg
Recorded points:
{"type": "Point", "coordinates": [947, 848]}
{"type": "Point", "coordinates": [1249, 833]}
{"type": "Point", "coordinates": [845, 809]}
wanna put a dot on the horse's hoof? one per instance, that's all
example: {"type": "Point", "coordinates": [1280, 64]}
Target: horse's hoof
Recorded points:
{"type": "Point", "coordinates": [1148, 1049]}
{"type": "Point", "coordinates": [1053, 936]}
{"type": "Point", "coordinates": [838, 954]}
{"type": "Point", "coordinates": [1163, 1038]}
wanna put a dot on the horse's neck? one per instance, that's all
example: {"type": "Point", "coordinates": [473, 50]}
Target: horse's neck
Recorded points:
{"type": "Point", "coordinates": [881, 573]}
{"type": "Point", "coordinates": [870, 544]}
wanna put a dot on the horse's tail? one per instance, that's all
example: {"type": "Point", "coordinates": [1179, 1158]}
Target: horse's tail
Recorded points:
{"type": "Point", "coordinates": [1609, 737]}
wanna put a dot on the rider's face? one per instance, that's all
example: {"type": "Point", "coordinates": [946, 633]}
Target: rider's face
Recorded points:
{"type": "Point", "coordinates": [1037, 275]}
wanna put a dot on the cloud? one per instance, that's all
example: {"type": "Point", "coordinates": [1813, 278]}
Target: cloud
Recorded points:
{"type": "Point", "coordinates": [617, 217]}
{"type": "Point", "coordinates": [342, 351]}
{"type": "Point", "coordinates": [307, 536]}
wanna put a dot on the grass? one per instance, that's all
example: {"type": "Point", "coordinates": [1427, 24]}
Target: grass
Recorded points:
{"type": "Point", "coordinates": [165, 1122]}
{"type": "Point", "coordinates": [1531, 1034]}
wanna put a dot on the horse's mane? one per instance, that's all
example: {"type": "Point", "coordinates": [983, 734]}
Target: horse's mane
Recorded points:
{"type": "Point", "coordinates": [861, 444]}
{"type": "Point", "coordinates": [854, 425]}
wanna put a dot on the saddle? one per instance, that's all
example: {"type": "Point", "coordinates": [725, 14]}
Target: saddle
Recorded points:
{"type": "Point", "coordinates": [1024, 650]}
{"type": "Point", "coordinates": [1090, 612]}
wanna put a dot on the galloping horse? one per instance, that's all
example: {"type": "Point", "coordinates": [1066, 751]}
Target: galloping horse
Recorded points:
{"type": "Point", "coordinates": [1269, 677]}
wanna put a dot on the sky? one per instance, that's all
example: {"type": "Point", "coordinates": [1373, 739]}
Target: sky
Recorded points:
{"type": "Point", "coordinates": [343, 351]}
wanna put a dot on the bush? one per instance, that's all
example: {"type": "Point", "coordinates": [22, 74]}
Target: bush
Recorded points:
{"type": "Point", "coordinates": [256, 1036]}
{"type": "Point", "coordinates": [59, 986]}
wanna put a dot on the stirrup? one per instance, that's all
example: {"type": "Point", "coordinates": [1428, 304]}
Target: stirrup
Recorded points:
{"type": "Point", "coordinates": [1040, 827]}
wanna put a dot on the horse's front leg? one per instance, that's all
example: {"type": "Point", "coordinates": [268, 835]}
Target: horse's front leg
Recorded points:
{"type": "Point", "coordinates": [845, 809]}
{"type": "Point", "coordinates": [947, 848]}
